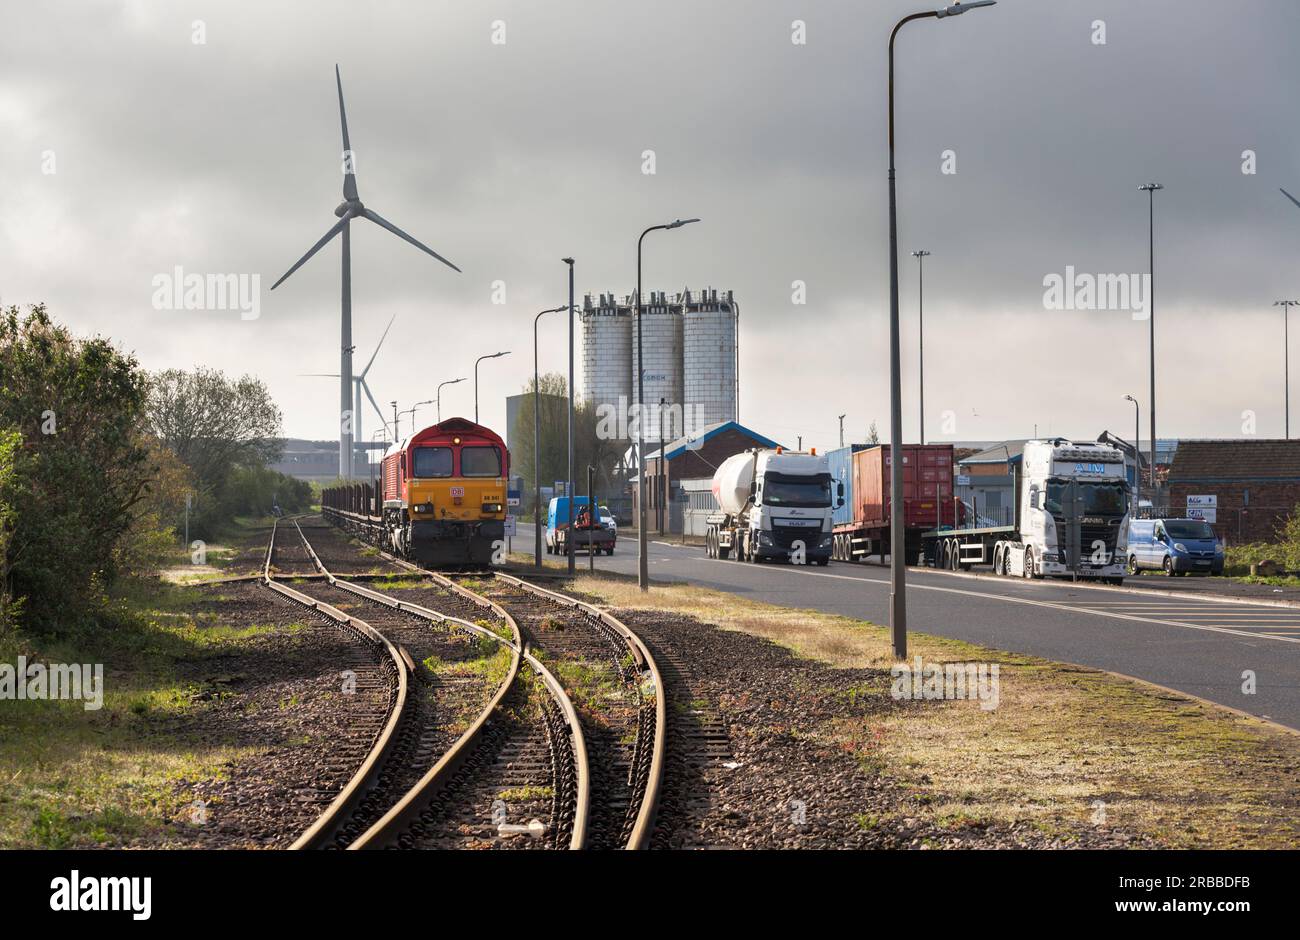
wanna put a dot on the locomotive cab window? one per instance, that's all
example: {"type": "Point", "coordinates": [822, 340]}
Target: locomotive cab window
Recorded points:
{"type": "Point", "coordinates": [431, 462]}
{"type": "Point", "coordinates": [480, 462]}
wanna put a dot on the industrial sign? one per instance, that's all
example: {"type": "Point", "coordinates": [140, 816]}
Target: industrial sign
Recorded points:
{"type": "Point", "coordinates": [1205, 508]}
{"type": "Point", "coordinates": [510, 526]}
{"type": "Point", "coordinates": [513, 497]}
{"type": "Point", "coordinates": [1089, 468]}
{"type": "Point", "coordinates": [963, 480]}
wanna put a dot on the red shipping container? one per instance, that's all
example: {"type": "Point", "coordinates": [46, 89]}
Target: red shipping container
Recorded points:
{"type": "Point", "coordinates": [927, 486]}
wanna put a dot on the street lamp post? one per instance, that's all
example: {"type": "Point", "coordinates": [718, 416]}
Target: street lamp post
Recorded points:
{"type": "Point", "coordinates": [920, 257]}
{"type": "Point", "coordinates": [1150, 190]}
{"type": "Point", "coordinates": [438, 398]}
{"type": "Point", "coordinates": [569, 539]}
{"type": "Point", "coordinates": [411, 411]}
{"type": "Point", "coordinates": [1137, 454]}
{"type": "Point", "coordinates": [643, 561]}
{"type": "Point", "coordinates": [842, 417]}
{"type": "Point", "coordinates": [1286, 306]}
{"type": "Point", "coordinates": [897, 543]}
{"type": "Point", "coordinates": [496, 355]}
{"type": "Point", "coordinates": [537, 446]}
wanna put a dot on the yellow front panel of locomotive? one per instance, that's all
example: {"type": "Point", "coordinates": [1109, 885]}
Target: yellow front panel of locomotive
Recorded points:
{"type": "Point", "coordinates": [466, 499]}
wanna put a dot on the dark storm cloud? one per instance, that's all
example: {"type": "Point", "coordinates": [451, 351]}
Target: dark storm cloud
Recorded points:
{"type": "Point", "coordinates": [224, 157]}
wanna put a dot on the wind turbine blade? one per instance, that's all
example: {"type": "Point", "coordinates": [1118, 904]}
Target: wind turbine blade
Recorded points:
{"type": "Point", "coordinates": [318, 375]}
{"type": "Point", "coordinates": [349, 165]}
{"type": "Point", "coordinates": [366, 388]}
{"type": "Point", "coordinates": [377, 345]}
{"type": "Point", "coordinates": [1289, 196]}
{"type": "Point", "coordinates": [378, 219]}
{"type": "Point", "coordinates": [338, 227]}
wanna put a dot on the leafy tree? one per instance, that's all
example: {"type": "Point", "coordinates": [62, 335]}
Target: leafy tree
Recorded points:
{"type": "Point", "coordinates": [74, 485]}
{"type": "Point", "coordinates": [10, 441]}
{"type": "Point", "coordinates": [216, 426]}
{"type": "Point", "coordinates": [589, 448]}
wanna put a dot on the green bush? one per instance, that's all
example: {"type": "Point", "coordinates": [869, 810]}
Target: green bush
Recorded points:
{"type": "Point", "coordinates": [76, 482]}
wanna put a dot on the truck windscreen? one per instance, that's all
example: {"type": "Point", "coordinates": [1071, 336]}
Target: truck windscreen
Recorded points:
{"type": "Point", "coordinates": [1094, 498]}
{"type": "Point", "coordinates": [809, 492]}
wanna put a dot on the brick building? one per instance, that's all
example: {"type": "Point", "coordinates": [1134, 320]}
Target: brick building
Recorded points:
{"type": "Point", "coordinates": [1256, 485]}
{"type": "Point", "coordinates": [693, 457]}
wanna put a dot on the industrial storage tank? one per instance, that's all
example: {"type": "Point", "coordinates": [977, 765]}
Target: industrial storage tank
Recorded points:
{"type": "Point", "coordinates": [709, 357]}
{"type": "Point", "coordinates": [661, 327]}
{"type": "Point", "coordinates": [606, 353]}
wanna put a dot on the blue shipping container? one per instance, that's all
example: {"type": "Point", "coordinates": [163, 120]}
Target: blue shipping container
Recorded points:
{"type": "Point", "coordinates": [841, 465]}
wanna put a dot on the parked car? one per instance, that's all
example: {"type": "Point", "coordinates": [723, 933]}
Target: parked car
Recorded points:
{"type": "Point", "coordinates": [607, 519]}
{"type": "Point", "coordinates": [1174, 546]}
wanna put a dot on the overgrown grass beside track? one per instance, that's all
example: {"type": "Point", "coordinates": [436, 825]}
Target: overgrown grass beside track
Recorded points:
{"type": "Point", "coordinates": [75, 777]}
{"type": "Point", "coordinates": [1066, 748]}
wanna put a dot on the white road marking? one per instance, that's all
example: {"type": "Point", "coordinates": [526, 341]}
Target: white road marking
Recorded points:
{"type": "Point", "coordinates": [1033, 603]}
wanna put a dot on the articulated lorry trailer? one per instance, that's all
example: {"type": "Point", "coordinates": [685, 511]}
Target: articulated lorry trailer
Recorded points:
{"type": "Point", "coordinates": [862, 524]}
{"type": "Point", "coordinates": [1070, 518]}
{"type": "Point", "coordinates": [773, 505]}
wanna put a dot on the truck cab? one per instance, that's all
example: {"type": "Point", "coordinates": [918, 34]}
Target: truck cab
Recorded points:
{"type": "Point", "coordinates": [1174, 546]}
{"type": "Point", "coordinates": [1073, 513]}
{"type": "Point", "coordinates": [775, 505]}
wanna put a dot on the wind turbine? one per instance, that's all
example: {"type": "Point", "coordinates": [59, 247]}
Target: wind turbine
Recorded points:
{"type": "Point", "coordinates": [359, 385]}
{"type": "Point", "coordinates": [351, 208]}
{"type": "Point", "coordinates": [1289, 196]}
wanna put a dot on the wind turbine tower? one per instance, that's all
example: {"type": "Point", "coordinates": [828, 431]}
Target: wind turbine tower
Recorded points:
{"type": "Point", "coordinates": [350, 208]}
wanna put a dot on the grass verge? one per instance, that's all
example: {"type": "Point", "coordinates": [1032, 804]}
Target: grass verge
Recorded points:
{"type": "Point", "coordinates": [73, 777]}
{"type": "Point", "coordinates": [1066, 747]}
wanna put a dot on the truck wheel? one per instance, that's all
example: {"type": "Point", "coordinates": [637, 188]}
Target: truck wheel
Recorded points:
{"type": "Point", "coordinates": [1029, 564]}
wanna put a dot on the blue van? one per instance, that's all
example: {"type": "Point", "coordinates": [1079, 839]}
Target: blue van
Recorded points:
{"type": "Point", "coordinates": [1174, 546]}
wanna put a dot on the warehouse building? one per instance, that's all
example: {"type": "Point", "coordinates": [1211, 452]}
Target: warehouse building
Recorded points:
{"type": "Point", "coordinates": [1245, 489]}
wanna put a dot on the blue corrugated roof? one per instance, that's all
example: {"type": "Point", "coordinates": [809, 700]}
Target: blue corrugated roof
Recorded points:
{"type": "Point", "coordinates": [692, 441]}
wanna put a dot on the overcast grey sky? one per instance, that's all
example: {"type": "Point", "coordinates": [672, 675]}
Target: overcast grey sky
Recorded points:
{"type": "Point", "coordinates": [223, 157]}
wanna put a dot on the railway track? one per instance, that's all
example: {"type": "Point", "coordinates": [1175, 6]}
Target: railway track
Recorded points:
{"type": "Point", "coordinates": [481, 747]}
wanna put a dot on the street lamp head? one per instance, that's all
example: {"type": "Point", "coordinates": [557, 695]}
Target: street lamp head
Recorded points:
{"type": "Point", "coordinates": [1130, 398]}
{"type": "Point", "coordinates": [499, 355]}
{"type": "Point", "coordinates": [567, 261]}
{"type": "Point", "coordinates": [1150, 187]}
{"type": "Point", "coordinates": [1286, 303]}
{"type": "Point", "coordinates": [957, 9]}
{"type": "Point", "coordinates": [678, 223]}
{"type": "Point", "coordinates": [920, 254]}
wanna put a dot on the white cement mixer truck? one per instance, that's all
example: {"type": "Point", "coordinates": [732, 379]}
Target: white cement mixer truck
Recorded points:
{"type": "Point", "coordinates": [773, 504]}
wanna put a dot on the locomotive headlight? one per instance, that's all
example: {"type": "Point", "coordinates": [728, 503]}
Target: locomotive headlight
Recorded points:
{"type": "Point", "coordinates": [492, 507]}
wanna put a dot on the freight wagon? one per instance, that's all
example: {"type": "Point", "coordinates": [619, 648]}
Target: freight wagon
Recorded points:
{"type": "Point", "coordinates": [862, 525]}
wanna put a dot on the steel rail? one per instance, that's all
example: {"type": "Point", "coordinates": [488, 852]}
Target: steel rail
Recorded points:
{"type": "Point", "coordinates": [328, 823]}
{"type": "Point", "coordinates": [386, 831]}
{"type": "Point", "coordinates": [643, 827]}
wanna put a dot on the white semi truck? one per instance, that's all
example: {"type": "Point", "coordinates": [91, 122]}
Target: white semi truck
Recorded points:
{"type": "Point", "coordinates": [773, 504]}
{"type": "Point", "coordinates": [1071, 518]}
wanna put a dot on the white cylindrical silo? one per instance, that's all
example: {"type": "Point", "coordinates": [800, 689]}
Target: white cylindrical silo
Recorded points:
{"type": "Point", "coordinates": [661, 327]}
{"type": "Point", "coordinates": [607, 355]}
{"type": "Point", "coordinates": [709, 359]}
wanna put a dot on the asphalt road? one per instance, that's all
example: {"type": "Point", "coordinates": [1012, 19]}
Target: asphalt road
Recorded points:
{"type": "Point", "coordinates": [1195, 644]}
